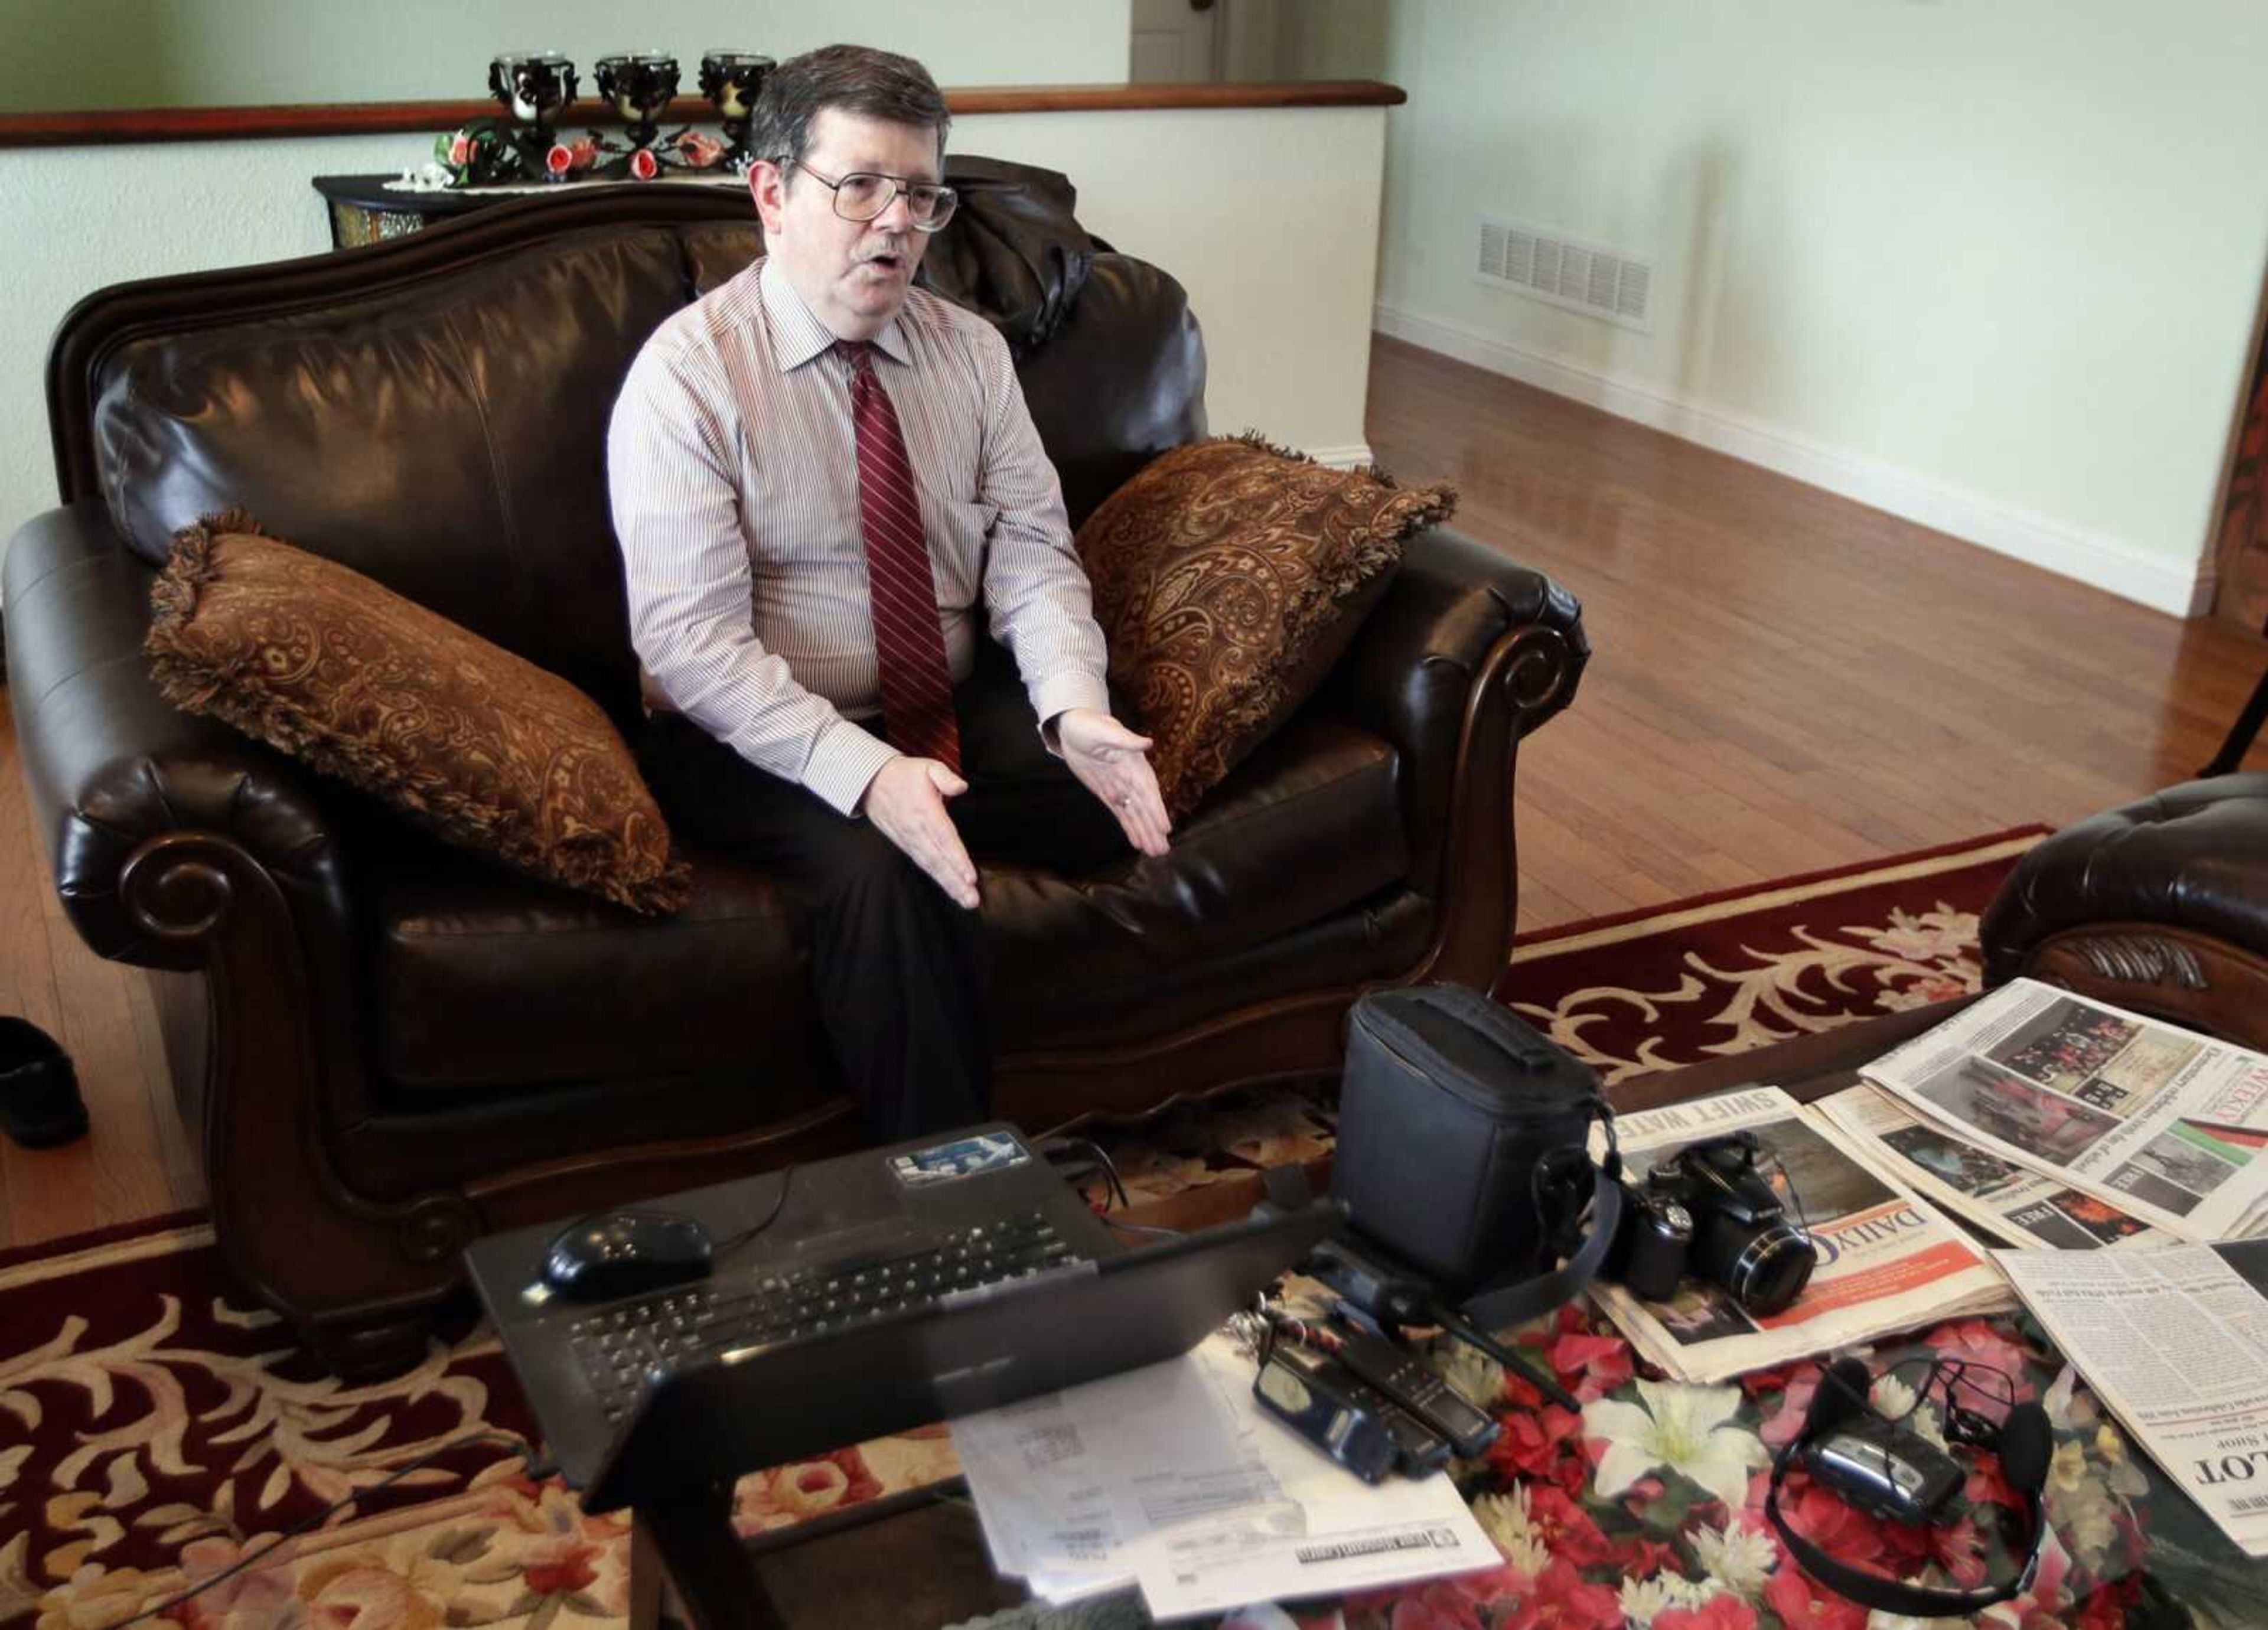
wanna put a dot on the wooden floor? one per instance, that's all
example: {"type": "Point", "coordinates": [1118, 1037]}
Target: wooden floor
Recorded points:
{"type": "Point", "coordinates": [1783, 681]}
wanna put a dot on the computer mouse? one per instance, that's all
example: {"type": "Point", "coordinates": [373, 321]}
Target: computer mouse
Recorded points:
{"type": "Point", "coordinates": [619, 1253]}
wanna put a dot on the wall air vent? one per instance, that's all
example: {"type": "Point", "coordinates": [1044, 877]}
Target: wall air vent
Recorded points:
{"type": "Point", "coordinates": [1551, 266]}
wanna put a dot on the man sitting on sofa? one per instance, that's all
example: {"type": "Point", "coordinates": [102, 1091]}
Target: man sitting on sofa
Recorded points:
{"type": "Point", "coordinates": [819, 476]}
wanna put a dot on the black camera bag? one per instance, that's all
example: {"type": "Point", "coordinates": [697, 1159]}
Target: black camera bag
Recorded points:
{"type": "Point", "coordinates": [1463, 1148]}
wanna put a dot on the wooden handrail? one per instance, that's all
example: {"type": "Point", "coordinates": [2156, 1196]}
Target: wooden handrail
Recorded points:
{"type": "Point", "coordinates": [94, 127]}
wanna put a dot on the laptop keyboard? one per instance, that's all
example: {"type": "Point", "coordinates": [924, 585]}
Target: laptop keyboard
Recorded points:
{"type": "Point", "coordinates": [619, 1347]}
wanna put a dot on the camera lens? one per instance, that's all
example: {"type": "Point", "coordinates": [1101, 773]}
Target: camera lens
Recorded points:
{"type": "Point", "coordinates": [1764, 1266]}
{"type": "Point", "coordinates": [1772, 1271]}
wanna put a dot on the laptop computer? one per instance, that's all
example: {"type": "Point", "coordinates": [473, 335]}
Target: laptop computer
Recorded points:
{"type": "Point", "coordinates": [889, 1288]}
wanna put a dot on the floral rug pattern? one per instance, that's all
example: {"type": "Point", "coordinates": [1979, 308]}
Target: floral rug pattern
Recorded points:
{"type": "Point", "coordinates": [161, 1437]}
{"type": "Point", "coordinates": [1645, 1509]}
{"type": "Point", "coordinates": [1653, 990]}
{"type": "Point", "coordinates": [154, 1430]}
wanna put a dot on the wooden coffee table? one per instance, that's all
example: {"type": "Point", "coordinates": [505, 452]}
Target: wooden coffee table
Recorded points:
{"type": "Point", "coordinates": [918, 1559]}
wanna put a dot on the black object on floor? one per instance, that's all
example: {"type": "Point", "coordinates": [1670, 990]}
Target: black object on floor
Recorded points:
{"type": "Point", "coordinates": [39, 1103]}
{"type": "Point", "coordinates": [2241, 734]}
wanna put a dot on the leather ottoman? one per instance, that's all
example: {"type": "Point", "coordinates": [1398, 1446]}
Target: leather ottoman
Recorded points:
{"type": "Point", "coordinates": [2160, 906]}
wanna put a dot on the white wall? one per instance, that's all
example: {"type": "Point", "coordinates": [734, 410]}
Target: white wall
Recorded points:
{"type": "Point", "coordinates": [200, 53]}
{"type": "Point", "coordinates": [1282, 277]}
{"type": "Point", "coordinates": [1993, 264]}
{"type": "Point", "coordinates": [1268, 217]}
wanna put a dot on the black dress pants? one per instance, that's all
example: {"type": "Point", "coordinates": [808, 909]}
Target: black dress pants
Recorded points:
{"type": "Point", "coordinates": [899, 972]}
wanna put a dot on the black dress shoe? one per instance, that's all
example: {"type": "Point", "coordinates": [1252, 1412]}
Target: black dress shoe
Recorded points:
{"type": "Point", "coordinates": [40, 1105]}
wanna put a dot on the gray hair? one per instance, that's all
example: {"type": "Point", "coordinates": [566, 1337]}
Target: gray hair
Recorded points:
{"type": "Point", "coordinates": [854, 79]}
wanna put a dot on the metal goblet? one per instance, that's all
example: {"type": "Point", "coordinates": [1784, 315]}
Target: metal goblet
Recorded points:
{"type": "Point", "coordinates": [639, 85]}
{"type": "Point", "coordinates": [536, 87]}
{"type": "Point", "coordinates": [732, 81]}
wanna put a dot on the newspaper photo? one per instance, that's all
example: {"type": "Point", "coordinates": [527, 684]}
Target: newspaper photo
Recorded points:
{"type": "Point", "coordinates": [1888, 1261]}
{"type": "Point", "coordinates": [2175, 1342]}
{"type": "Point", "coordinates": [2164, 1124]}
{"type": "Point", "coordinates": [1977, 1186]}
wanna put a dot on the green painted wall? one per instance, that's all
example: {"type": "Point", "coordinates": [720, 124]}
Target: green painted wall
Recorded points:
{"type": "Point", "coordinates": [67, 54]}
{"type": "Point", "coordinates": [1991, 264]}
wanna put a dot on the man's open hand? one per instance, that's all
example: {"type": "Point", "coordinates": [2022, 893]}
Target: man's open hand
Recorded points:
{"type": "Point", "coordinates": [906, 801]}
{"type": "Point", "coordinates": [1113, 763]}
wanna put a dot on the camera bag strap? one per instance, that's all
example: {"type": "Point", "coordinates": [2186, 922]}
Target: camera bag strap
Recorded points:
{"type": "Point", "coordinates": [1503, 1306]}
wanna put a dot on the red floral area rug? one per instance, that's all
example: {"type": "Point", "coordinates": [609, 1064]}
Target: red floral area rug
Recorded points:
{"type": "Point", "coordinates": [156, 1429]}
{"type": "Point", "coordinates": [1654, 989]}
{"type": "Point", "coordinates": [1719, 974]}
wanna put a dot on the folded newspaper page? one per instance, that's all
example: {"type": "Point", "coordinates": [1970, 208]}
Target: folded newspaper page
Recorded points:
{"type": "Point", "coordinates": [2164, 1124]}
{"type": "Point", "coordinates": [1888, 1261]}
{"type": "Point", "coordinates": [1334, 1533]}
{"type": "Point", "coordinates": [1171, 1478]}
{"type": "Point", "coordinates": [2175, 1342]}
{"type": "Point", "coordinates": [1999, 1197]}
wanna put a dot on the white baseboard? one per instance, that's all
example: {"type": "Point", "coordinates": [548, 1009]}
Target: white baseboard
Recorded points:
{"type": "Point", "coordinates": [2104, 562]}
{"type": "Point", "coordinates": [1356, 456]}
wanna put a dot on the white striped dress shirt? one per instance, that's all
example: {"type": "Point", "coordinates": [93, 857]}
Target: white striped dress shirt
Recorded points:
{"type": "Point", "coordinates": [732, 462]}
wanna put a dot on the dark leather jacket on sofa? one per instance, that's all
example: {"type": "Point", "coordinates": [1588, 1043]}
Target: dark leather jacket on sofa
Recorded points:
{"type": "Point", "coordinates": [383, 1048]}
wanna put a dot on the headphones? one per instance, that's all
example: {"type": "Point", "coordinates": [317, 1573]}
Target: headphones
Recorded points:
{"type": "Point", "coordinates": [1881, 1467]}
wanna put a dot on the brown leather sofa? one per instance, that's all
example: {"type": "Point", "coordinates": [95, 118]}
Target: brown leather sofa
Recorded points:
{"type": "Point", "coordinates": [383, 1048]}
{"type": "Point", "coordinates": [2160, 906]}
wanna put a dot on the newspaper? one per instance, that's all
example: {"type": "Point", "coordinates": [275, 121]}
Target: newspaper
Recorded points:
{"type": "Point", "coordinates": [2175, 1342]}
{"type": "Point", "coordinates": [1888, 1261]}
{"type": "Point", "coordinates": [2164, 1124]}
{"type": "Point", "coordinates": [1039, 1469]}
{"type": "Point", "coordinates": [1171, 1478]}
{"type": "Point", "coordinates": [1347, 1535]}
{"type": "Point", "coordinates": [2003, 1199]}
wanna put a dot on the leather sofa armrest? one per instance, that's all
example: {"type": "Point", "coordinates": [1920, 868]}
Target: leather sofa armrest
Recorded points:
{"type": "Point", "coordinates": [1460, 617]}
{"type": "Point", "coordinates": [2160, 906]}
{"type": "Point", "coordinates": [145, 811]}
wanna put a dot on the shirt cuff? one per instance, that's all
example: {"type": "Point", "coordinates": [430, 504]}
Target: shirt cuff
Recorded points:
{"type": "Point", "coordinates": [1060, 693]}
{"type": "Point", "coordinates": [845, 761]}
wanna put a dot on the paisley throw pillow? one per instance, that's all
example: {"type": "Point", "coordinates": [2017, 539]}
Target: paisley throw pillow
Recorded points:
{"type": "Point", "coordinates": [1229, 576]}
{"type": "Point", "coordinates": [481, 748]}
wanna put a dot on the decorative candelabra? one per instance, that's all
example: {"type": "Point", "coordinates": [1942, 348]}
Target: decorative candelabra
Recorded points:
{"type": "Point", "coordinates": [639, 85]}
{"type": "Point", "coordinates": [536, 87]}
{"type": "Point", "coordinates": [731, 81]}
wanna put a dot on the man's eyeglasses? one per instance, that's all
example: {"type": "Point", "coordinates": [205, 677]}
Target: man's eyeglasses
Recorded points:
{"type": "Point", "coordinates": [862, 196]}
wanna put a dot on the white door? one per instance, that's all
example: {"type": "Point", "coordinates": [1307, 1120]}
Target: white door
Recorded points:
{"type": "Point", "coordinates": [1177, 41]}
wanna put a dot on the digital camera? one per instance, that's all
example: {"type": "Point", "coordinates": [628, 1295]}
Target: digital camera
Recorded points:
{"type": "Point", "coordinates": [1707, 1211]}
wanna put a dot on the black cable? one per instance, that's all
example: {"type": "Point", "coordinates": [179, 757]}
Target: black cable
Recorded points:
{"type": "Point", "coordinates": [1114, 1186]}
{"type": "Point", "coordinates": [1957, 1372]}
{"type": "Point", "coordinates": [1532, 1366]}
{"type": "Point", "coordinates": [779, 1202]}
{"type": "Point", "coordinates": [1962, 1425]}
{"type": "Point", "coordinates": [1794, 1195]}
{"type": "Point", "coordinates": [320, 1517]}
{"type": "Point", "coordinates": [1117, 1184]}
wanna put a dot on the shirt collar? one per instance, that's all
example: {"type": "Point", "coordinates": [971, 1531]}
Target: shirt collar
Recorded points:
{"type": "Point", "coordinates": [798, 336]}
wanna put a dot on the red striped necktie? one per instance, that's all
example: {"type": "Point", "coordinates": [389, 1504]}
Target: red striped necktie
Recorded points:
{"type": "Point", "coordinates": [917, 714]}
